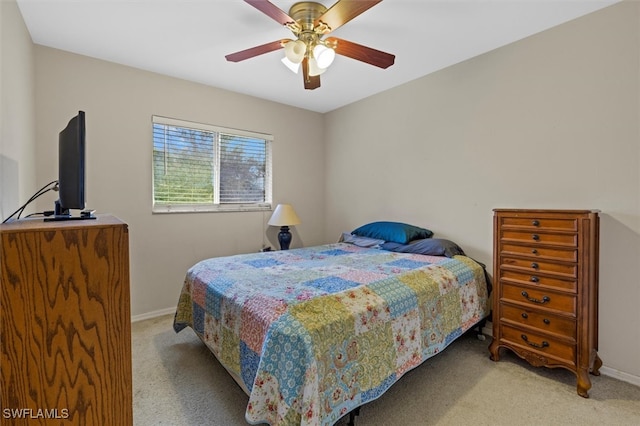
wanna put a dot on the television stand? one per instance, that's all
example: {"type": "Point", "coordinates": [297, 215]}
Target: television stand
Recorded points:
{"type": "Point", "coordinates": [65, 323]}
{"type": "Point", "coordinates": [63, 214]}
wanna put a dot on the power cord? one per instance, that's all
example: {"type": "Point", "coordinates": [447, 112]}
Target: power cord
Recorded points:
{"type": "Point", "coordinates": [51, 186]}
{"type": "Point", "coordinates": [45, 213]}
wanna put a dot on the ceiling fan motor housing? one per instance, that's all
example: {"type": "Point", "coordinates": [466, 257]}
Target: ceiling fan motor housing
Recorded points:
{"type": "Point", "coordinates": [305, 14]}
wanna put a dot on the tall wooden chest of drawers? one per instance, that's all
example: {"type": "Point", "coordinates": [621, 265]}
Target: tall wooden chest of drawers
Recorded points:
{"type": "Point", "coordinates": [65, 323]}
{"type": "Point", "coordinates": [545, 299]}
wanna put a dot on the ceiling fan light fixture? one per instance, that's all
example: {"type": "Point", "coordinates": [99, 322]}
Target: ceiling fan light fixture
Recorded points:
{"type": "Point", "coordinates": [323, 55]}
{"type": "Point", "coordinates": [292, 66]}
{"type": "Point", "coordinates": [314, 69]}
{"type": "Point", "coordinates": [295, 50]}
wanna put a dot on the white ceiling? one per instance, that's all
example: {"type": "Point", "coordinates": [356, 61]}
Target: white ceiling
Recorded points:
{"type": "Point", "coordinates": [189, 39]}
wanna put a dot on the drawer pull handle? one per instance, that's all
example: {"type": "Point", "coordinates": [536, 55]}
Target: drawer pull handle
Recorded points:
{"type": "Point", "coordinates": [534, 279]}
{"type": "Point", "coordinates": [535, 223]}
{"type": "Point", "coordinates": [534, 265]}
{"type": "Point", "coordinates": [536, 237]}
{"type": "Point", "coordinates": [544, 343]}
{"type": "Point", "coordinates": [544, 300]}
{"type": "Point", "coordinates": [546, 321]}
{"type": "Point", "coordinates": [524, 315]}
{"type": "Point", "coordinates": [534, 251]}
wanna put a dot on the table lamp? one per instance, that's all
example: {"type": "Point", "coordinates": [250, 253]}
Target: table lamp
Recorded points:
{"type": "Point", "coordinates": [284, 216]}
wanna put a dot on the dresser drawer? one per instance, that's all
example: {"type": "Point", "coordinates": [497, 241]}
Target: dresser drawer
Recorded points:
{"type": "Point", "coordinates": [541, 252]}
{"type": "Point", "coordinates": [540, 343]}
{"type": "Point", "coordinates": [534, 237]}
{"type": "Point", "coordinates": [569, 224]}
{"type": "Point", "coordinates": [545, 322]}
{"type": "Point", "coordinates": [539, 298]}
{"type": "Point", "coordinates": [535, 266]}
{"type": "Point", "coordinates": [541, 280]}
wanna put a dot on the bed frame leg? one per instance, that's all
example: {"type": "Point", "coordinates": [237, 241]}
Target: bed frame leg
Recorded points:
{"type": "Point", "coordinates": [352, 416]}
{"type": "Point", "coordinates": [481, 325]}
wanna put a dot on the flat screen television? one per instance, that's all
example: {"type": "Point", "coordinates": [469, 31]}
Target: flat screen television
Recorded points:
{"type": "Point", "coordinates": [71, 171]}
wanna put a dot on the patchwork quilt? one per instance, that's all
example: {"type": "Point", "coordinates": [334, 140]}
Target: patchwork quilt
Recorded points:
{"type": "Point", "coordinates": [313, 333]}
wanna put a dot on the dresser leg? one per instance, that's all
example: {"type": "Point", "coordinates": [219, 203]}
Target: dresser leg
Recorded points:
{"type": "Point", "coordinates": [495, 350]}
{"type": "Point", "coordinates": [584, 383]}
{"type": "Point", "coordinates": [597, 363]}
{"type": "Point", "coordinates": [481, 325]}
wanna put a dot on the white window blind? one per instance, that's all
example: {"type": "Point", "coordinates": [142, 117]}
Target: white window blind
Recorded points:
{"type": "Point", "coordinates": [199, 167]}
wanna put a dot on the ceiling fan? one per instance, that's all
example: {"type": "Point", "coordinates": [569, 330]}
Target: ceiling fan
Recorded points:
{"type": "Point", "coordinates": [310, 22]}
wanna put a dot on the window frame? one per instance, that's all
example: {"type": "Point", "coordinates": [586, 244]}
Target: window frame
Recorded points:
{"type": "Point", "coordinates": [214, 206]}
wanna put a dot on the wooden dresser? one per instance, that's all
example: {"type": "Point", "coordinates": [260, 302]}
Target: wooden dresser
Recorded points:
{"type": "Point", "coordinates": [545, 297]}
{"type": "Point", "coordinates": [65, 323]}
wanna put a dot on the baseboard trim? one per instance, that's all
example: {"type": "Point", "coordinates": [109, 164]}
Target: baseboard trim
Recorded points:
{"type": "Point", "coordinates": [488, 329]}
{"type": "Point", "coordinates": [153, 314]}
{"type": "Point", "coordinates": [620, 375]}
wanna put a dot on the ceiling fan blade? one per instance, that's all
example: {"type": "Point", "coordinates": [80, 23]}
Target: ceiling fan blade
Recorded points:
{"type": "Point", "coordinates": [272, 11]}
{"type": "Point", "coordinates": [255, 51]}
{"type": "Point", "coordinates": [361, 53]}
{"type": "Point", "coordinates": [343, 11]}
{"type": "Point", "coordinates": [310, 82]}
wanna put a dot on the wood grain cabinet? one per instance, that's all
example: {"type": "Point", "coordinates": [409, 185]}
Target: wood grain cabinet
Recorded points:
{"type": "Point", "coordinates": [545, 300]}
{"type": "Point", "coordinates": [65, 325]}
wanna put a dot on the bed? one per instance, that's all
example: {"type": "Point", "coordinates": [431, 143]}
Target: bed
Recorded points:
{"type": "Point", "coordinates": [311, 334]}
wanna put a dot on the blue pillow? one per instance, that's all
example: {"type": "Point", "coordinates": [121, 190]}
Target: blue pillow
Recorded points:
{"type": "Point", "coordinates": [392, 231]}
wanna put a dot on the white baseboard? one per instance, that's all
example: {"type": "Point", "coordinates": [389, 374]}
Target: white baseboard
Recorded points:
{"type": "Point", "coordinates": [153, 314]}
{"type": "Point", "coordinates": [620, 375]}
{"type": "Point", "coordinates": [487, 330]}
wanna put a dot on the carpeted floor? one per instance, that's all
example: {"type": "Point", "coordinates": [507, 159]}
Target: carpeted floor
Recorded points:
{"type": "Point", "coordinates": [177, 381]}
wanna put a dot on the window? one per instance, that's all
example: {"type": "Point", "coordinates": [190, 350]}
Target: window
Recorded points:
{"type": "Point", "coordinates": [198, 167]}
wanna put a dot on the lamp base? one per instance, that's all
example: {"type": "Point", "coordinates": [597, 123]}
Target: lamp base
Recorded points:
{"type": "Point", "coordinates": [284, 238]}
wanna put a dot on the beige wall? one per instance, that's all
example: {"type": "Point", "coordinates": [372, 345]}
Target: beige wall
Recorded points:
{"type": "Point", "coordinates": [547, 122]}
{"type": "Point", "coordinates": [119, 102]}
{"type": "Point", "coordinates": [17, 117]}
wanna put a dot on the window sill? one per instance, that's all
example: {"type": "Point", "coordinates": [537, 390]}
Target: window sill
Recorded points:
{"type": "Point", "coordinates": [226, 208]}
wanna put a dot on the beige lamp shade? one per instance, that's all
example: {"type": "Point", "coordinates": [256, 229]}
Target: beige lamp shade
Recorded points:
{"type": "Point", "coordinates": [284, 215]}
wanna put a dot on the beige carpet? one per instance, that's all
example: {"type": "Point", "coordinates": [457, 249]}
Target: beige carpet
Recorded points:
{"type": "Point", "coordinates": [177, 381]}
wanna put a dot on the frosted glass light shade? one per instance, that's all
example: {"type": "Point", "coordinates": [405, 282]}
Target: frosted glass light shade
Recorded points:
{"type": "Point", "coordinates": [314, 69]}
{"type": "Point", "coordinates": [284, 215]}
{"type": "Point", "coordinates": [295, 50]}
{"type": "Point", "coordinates": [324, 55]}
{"type": "Point", "coordinates": [293, 67]}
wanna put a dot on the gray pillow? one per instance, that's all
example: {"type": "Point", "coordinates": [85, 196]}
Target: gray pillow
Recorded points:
{"type": "Point", "coordinates": [427, 246]}
{"type": "Point", "coordinates": [360, 241]}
